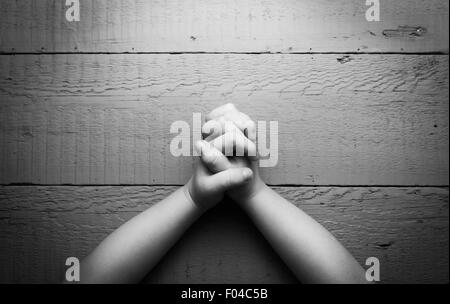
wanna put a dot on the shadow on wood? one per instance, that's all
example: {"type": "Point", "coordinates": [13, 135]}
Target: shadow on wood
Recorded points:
{"type": "Point", "coordinates": [236, 250]}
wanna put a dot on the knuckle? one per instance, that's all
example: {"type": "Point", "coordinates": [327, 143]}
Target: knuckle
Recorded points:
{"type": "Point", "coordinates": [222, 120]}
{"type": "Point", "coordinates": [239, 123]}
{"type": "Point", "coordinates": [230, 106]}
{"type": "Point", "coordinates": [245, 116]}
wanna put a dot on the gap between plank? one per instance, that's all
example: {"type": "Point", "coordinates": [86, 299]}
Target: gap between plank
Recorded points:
{"type": "Point", "coordinates": [179, 185]}
{"type": "Point", "coordinates": [222, 53]}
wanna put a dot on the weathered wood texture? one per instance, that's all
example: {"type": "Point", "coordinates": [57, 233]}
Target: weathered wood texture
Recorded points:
{"type": "Point", "coordinates": [96, 119]}
{"type": "Point", "coordinates": [224, 26]}
{"type": "Point", "coordinates": [406, 228]}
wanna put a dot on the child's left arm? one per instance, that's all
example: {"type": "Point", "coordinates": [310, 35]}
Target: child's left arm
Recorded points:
{"type": "Point", "coordinates": [131, 251]}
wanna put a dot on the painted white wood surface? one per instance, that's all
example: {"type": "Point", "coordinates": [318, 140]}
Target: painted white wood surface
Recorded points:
{"type": "Point", "coordinates": [345, 119]}
{"type": "Point", "coordinates": [224, 26]}
{"type": "Point", "coordinates": [405, 228]}
{"type": "Point", "coordinates": [96, 119]}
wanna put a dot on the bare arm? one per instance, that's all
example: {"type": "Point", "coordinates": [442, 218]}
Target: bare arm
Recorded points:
{"type": "Point", "coordinates": [131, 251]}
{"type": "Point", "coordinates": [310, 251]}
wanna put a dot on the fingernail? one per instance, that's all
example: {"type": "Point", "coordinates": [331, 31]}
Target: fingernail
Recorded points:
{"type": "Point", "coordinates": [247, 173]}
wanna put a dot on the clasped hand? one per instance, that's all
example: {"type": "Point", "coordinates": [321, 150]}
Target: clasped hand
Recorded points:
{"type": "Point", "coordinates": [216, 174]}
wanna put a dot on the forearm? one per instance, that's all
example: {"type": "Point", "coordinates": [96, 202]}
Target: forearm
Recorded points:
{"type": "Point", "coordinates": [131, 251]}
{"type": "Point", "coordinates": [310, 251]}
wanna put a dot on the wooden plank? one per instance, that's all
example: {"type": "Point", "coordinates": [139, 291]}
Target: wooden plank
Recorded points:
{"type": "Point", "coordinates": [373, 120]}
{"type": "Point", "coordinates": [3, 145]}
{"type": "Point", "coordinates": [41, 226]}
{"type": "Point", "coordinates": [224, 26]}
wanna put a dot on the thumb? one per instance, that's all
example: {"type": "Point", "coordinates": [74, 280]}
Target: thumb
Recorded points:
{"type": "Point", "coordinates": [230, 178]}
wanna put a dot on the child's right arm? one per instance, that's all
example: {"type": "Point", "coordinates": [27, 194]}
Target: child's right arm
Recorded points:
{"type": "Point", "coordinates": [311, 252]}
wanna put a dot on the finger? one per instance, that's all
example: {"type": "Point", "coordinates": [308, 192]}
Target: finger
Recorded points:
{"type": "Point", "coordinates": [233, 141]}
{"type": "Point", "coordinates": [249, 130]}
{"type": "Point", "coordinates": [230, 178]}
{"type": "Point", "coordinates": [211, 129]}
{"type": "Point", "coordinates": [220, 111]}
{"type": "Point", "coordinates": [213, 159]}
{"type": "Point", "coordinates": [238, 118]}
{"type": "Point", "coordinates": [214, 128]}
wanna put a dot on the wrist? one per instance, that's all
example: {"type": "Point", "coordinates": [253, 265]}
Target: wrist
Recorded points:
{"type": "Point", "coordinates": [253, 200]}
{"type": "Point", "coordinates": [188, 193]}
{"type": "Point", "coordinates": [242, 198]}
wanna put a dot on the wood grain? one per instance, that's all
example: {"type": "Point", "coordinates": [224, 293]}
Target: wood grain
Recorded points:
{"type": "Point", "coordinates": [224, 26]}
{"type": "Point", "coordinates": [96, 119]}
{"type": "Point", "coordinates": [406, 228]}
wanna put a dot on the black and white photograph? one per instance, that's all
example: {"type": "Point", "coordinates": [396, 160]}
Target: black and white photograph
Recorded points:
{"type": "Point", "coordinates": [204, 143]}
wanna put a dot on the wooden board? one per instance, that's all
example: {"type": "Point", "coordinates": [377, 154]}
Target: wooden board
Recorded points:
{"type": "Point", "coordinates": [224, 26]}
{"type": "Point", "coordinates": [405, 228]}
{"type": "Point", "coordinates": [96, 119]}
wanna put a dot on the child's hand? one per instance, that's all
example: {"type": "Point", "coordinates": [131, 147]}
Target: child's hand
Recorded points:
{"type": "Point", "coordinates": [213, 176]}
{"type": "Point", "coordinates": [241, 133]}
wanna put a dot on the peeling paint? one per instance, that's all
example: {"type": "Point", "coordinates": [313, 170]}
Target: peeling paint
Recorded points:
{"type": "Point", "coordinates": [385, 245]}
{"type": "Point", "coordinates": [344, 59]}
{"type": "Point", "coordinates": [405, 31]}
